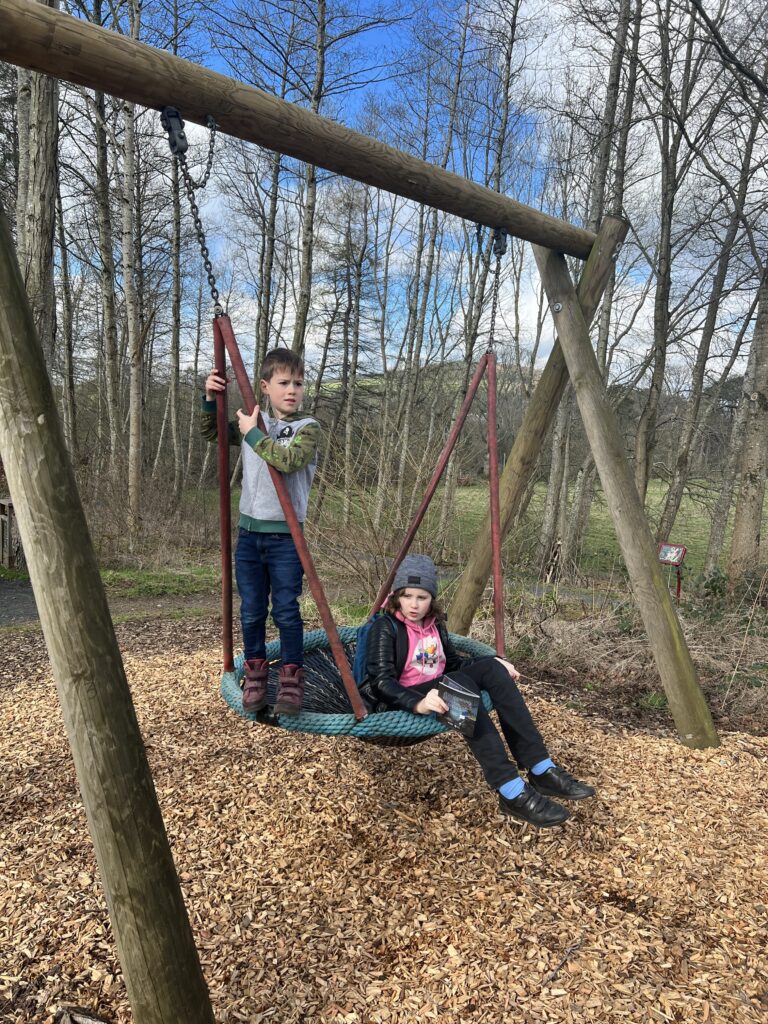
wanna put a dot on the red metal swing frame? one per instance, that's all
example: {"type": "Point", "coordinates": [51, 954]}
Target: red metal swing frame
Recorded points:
{"type": "Point", "coordinates": [225, 343]}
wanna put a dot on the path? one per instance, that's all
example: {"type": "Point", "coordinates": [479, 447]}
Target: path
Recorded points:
{"type": "Point", "coordinates": [17, 603]}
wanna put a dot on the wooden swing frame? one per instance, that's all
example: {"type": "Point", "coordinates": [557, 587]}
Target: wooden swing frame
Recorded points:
{"type": "Point", "coordinates": [159, 960]}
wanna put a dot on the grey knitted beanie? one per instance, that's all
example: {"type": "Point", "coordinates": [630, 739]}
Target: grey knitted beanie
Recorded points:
{"type": "Point", "coordinates": [416, 571]}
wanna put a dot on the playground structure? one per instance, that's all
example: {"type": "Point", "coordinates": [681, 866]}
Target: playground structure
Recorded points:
{"type": "Point", "coordinates": [155, 944]}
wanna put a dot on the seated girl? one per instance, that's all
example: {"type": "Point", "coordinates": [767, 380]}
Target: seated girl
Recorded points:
{"type": "Point", "coordinates": [409, 649]}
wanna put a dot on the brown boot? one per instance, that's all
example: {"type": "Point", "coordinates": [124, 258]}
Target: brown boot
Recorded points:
{"type": "Point", "coordinates": [290, 691]}
{"type": "Point", "coordinates": [255, 687]}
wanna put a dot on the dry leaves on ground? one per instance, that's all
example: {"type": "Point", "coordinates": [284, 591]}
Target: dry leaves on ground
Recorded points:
{"type": "Point", "coordinates": [329, 882]}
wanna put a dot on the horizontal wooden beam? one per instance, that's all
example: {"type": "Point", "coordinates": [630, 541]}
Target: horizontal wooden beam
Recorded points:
{"type": "Point", "coordinates": [37, 37]}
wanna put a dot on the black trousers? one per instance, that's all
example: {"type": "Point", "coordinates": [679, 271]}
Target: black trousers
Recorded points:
{"type": "Point", "coordinates": [521, 734]}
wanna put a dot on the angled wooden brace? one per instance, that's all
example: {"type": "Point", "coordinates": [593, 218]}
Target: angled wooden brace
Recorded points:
{"type": "Point", "coordinates": [673, 660]}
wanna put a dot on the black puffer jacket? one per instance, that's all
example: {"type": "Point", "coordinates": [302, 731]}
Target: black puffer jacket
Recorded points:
{"type": "Point", "coordinates": [387, 652]}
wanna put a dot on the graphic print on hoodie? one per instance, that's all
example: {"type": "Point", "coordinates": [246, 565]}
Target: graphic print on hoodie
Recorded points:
{"type": "Point", "coordinates": [426, 658]}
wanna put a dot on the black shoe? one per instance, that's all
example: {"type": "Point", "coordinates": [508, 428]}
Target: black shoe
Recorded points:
{"type": "Point", "coordinates": [530, 806]}
{"type": "Point", "coordinates": [560, 783]}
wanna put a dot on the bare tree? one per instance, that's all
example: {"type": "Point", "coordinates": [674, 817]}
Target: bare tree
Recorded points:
{"type": "Point", "coordinates": [745, 544]}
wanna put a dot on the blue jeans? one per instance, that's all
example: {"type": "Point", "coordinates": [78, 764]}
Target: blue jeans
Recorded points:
{"type": "Point", "coordinates": [268, 563]}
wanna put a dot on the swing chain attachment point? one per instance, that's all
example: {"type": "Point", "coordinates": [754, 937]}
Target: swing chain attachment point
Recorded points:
{"type": "Point", "coordinates": [173, 123]}
{"type": "Point", "coordinates": [499, 249]}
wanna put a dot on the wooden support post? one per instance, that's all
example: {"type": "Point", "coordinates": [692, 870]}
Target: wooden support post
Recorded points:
{"type": "Point", "coordinates": [538, 416]}
{"type": "Point", "coordinates": [35, 36]}
{"type": "Point", "coordinates": [154, 940]}
{"type": "Point", "coordinates": [493, 488]}
{"type": "Point", "coordinates": [673, 661]}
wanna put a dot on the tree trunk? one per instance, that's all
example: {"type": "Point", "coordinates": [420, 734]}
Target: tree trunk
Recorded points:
{"type": "Point", "coordinates": [107, 274]}
{"type": "Point", "coordinates": [37, 106]}
{"type": "Point", "coordinates": [745, 544]}
{"type": "Point", "coordinates": [554, 486]}
{"type": "Point", "coordinates": [132, 312]}
{"type": "Point", "coordinates": [386, 447]}
{"type": "Point", "coordinates": [267, 266]}
{"type": "Point", "coordinates": [680, 73]}
{"type": "Point", "coordinates": [310, 191]}
{"type": "Point", "coordinates": [176, 288]}
{"type": "Point", "coordinates": [608, 122]}
{"type": "Point", "coordinates": [682, 461]}
{"type": "Point", "coordinates": [194, 411]}
{"type": "Point", "coordinates": [356, 259]}
{"type": "Point", "coordinates": [68, 389]}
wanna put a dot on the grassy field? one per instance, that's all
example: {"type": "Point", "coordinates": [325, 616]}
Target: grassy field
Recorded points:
{"type": "Point", "coordinates": [195, 570]}
{"type": "Point", "coordinates": [149, 582]}
{"type": "Point", "coordinates": [600, 556]}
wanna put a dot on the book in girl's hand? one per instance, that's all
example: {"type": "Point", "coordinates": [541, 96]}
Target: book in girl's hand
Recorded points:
{"type": "Point", "coordinates": [462, 705]}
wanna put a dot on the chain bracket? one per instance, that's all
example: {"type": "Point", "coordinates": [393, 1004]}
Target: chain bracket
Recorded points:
{"type": "Point", "coordinates": [171, 120]}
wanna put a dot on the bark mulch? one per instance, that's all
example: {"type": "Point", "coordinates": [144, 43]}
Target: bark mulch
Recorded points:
{"type": "Point", "coordinates": [332, 882]}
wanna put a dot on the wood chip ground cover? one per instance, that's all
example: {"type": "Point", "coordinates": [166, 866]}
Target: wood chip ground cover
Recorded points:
{"type": "Point", "coordinates": [329, 882]}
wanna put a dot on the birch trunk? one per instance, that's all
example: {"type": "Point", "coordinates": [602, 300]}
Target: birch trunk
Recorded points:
{"type": "Point", "coordinates": [672, 69]}
{"type": "Point", "coordinates": [682, 461]}
{"type": "Point", "coordinates": [194, 411]}
{"type": "Point", "coordinates": [176, 288]}
{"type": "Point", "coordinates": [267, 266]}
{"type": "Point", "coordinates": [310, 192]}
{"type": "Point", "coordinates": [68, 390]}
{"type": "Point", "coordinates": [554, 485]}
{"type": "Point", "coordinates": [357, 260]}
{"type": "Point", "coordinates": [107, 274]}
{"type": "Point", "coordinates": [132, 312]}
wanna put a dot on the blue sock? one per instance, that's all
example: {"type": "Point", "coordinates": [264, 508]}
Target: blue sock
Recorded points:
{"type": "Point", "coordinates": [512, 788]}
{"type": "Point", "coordinates": [543, 766]}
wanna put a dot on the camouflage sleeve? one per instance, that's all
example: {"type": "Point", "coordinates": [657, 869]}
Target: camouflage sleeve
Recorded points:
{"type": "Point", "coordinates": [208, 426]}
{"type": "Point", "coordinates": [286, 458]}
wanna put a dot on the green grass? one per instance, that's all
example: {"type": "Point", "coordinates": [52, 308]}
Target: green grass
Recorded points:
{"type": "Point", "coordinates": [199, 579]}
{"type": "Point", "coordinates": [653, 701]}
{"type": "Point", "coordinates": [161, 582]}
{"type": "Point", "coordinates": [600, 556]}
{"type": "Point", "coordinates": [12, 574]}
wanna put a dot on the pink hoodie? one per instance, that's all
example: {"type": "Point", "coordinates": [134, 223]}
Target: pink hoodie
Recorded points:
{"type": "Point", "coordinates": [426, 658]}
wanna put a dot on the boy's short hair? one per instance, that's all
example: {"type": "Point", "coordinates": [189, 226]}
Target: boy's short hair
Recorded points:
{"type": "Point", "coordinates": [281, 359]}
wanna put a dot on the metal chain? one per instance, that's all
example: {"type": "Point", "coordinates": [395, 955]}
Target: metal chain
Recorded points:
{"type": "Point", "coordinates": [212, 127]}
{"type": "Point", "coordinates": [191, 185]}
{"type": "Point", "coordinates": [499, 248]}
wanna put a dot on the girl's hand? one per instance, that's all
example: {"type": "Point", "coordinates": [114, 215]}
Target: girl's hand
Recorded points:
{"type": "Point", "coordinates": [432, 702]}
{"type": "Point", "coordinates": [510, 668]}
{"type": "Point", "coordinates": [247, 423]}
{"type": "Point", "coordinates": [213, 384]}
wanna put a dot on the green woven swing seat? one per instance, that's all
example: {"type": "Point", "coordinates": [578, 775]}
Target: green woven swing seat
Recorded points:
{"type": "Point", "coordinates": [326, 710]}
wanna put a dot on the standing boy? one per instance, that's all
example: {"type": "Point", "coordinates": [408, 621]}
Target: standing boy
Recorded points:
{"type": "Point", "coordinates": [266, 560]}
